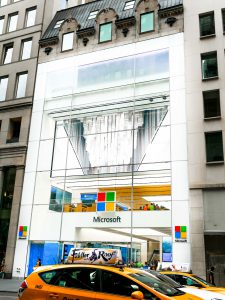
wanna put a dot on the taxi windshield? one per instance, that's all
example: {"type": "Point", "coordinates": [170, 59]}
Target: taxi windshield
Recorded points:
{"type": "Point", "coordinates": [202, 280]}
{"type": "Point", "coordinates": [155, 283]}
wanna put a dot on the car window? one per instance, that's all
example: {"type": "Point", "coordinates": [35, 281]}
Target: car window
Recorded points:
{"type": "Point", "coordinates": [118, 284]}
{"type": "Point", "coordinates": [80, 278]}
{"type": "Point", "coordinates": [156, 284]}
{"type": "Point", "coordinates": [50, 277]}
{"type": "Point", "coordinates": [184, 280]}
{"type": "Point", "coordinates": [114, 283]}
{"type": "Point", "coordinates": [202, 280]}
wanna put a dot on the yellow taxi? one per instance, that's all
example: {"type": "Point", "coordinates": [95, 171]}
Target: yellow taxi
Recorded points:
{"type": "Point", "coordinates": [193, 280]}
{"type": "Point", "coordinates": [99, 282]}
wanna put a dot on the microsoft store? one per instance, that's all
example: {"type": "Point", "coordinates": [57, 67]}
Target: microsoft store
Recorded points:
{"type": "Point", "coordinates": [107, 164]}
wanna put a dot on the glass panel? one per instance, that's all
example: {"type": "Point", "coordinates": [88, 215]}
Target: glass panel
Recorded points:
{"type": "Point", "coordinates": [26, 49]}
{"type": "Point", "coordinates": [67, 41]}
{"type": "Point", "coordinates": [223, 16]}
{"type": "Point", "coordinates": [129, 5]}
{"type": "Point", "coordinates": [58, 23]}
{"type": "Point", "coordinates": [147, 22]}
{"type": "Point", "coordinates": [207, 24]}
{"type": "Point", "coordinates": [211, 104]}
{"type": "Point", "coordinates": [209, 65]}
{"type": "Point", "coordinates": [31, 15]}
{"type": "Point", "coordinates": [93, 14]}
{"type": "Point", "coordinates": [13, 22]}
{"type": "Point", "coordinates": [8, 50]}
{"type": "Point", "coordinates": [21, 85]}
{"type": "Point", "coordinates": [105, 32]}
{"type": "Point", "coordinates": [214, 146]}
{"type": "Point", "coordinates": [3, 88]}
{"type": "Point", "coordinates": [1, 24]}
{"type": "Point", "coordinates": [3, 2]}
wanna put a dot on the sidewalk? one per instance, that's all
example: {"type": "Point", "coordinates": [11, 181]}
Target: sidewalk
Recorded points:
{"type": "Point", "coordinates": [10, 285]}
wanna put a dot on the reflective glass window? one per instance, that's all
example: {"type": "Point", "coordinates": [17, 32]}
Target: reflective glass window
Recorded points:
{"type": "Point", "coordinates": [3, 2]}
{"type": "Point", "coordinates": [2, 19]}
{"type": "Point", "coordinates": [21, 85]}
{"type": "Point", "coordinates": [3, 87]}
{"type": "Point", "coordinates": [67, 43]}
{"type": "Point", "coordinates": [58, 23]}
{"type": "Point", "coordinates": [30, 16]}
{"type": "Point", "coordinates": [147, 22]}
{"type": "Point", "coordinates": [209, 65]}
{"type": "Point", "coordinates": [207, 24]}
{"type": "Point", "coordinates": [129, 5]}
{"type": "Point", "coordinates": [7, 53]}
{"type": "Point", "coordinates": [223, 16]}
{"type": "Point", "coordinates": [211, 104]}
{"type": "Point", "coordinates": [12, 23]}
{"type": "Point", "coordinates": [105, 32]}
{"type": "Point", "coordinates": [93, 15]}
{"type": "Point", "coordinates": [214, 146]}
{"type": "Point", "coordinates": [26, 49]}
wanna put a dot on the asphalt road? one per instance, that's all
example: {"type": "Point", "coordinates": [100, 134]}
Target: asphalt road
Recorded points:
{"type": "Point", "coordinates": [8, 296]}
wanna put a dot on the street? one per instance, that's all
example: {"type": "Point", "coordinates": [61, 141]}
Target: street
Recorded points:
{"type": "Point", "coordinates": [8, 296]}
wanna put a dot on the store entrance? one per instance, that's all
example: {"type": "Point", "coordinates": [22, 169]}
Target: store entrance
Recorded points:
{"type": "Point", "coordinates": [215, 257]}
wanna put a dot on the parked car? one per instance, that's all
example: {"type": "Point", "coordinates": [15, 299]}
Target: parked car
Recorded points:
{"type": "Point", "coordinates": [99, 282]}
{"type": "Point", "coordinates": [207, 295]}
{"type": "Point", "coordinates": [193, 280]}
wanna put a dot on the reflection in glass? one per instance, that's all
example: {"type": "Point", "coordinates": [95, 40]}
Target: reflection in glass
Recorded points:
{"type": "Point", "coordinates": [3, 87]}
{"type": "Point", "coordinates": [21, 85]}
{"type": "Point", "coordinates": [26, 49]}
{"type": "Point", "coordinates": [67, 43]}
{"type": "Point", "coordinates": [105, 32]}
{"type": "Point", "coordinates": [2, 19]}
{"type": "Point", "coordinates": [12, 22]}
{"type": "Point", "coordinates": [30, 17]}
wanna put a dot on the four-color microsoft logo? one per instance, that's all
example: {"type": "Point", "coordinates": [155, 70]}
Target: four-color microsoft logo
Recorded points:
{"type": "Point", "coordinates": [22, 232]}
{"type": "Point", "coordinates": [181, 233]}
{"type": "Point", "coordinates": [106, 201]}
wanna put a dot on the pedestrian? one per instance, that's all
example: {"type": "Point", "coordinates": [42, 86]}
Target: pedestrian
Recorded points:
{"type": "Point", "coordinates": [211, 275]}
{"type": "Point", "coordinates": [38, 263]}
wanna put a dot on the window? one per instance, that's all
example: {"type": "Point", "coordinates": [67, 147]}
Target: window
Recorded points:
{"type": "Point", "coordinates": [21, 85]}
{"type": "Point", "coordinates": [105, 32]}
{"type": "Point", "coordinates": [116, 284]}
{"type": "Point", "coordinates": [93, 15]}
{"type": "Point", "coordinates": [211, 104]}
{"type": "Point", "coordinates": [207, 24]}
{"type": "Point", "coordinates": [3, 87]}
{"type": "Point", "coordinates": [147, 22]}
{"type": "Point", "coordinates": [30, 16]}
{"type": "Point", "coordinates": [3, 2]}
{"type": "Point", "coordinates": [58, 23]}
{"type": "Point", "coordinates": [2, 19]}
{"type": "Point", "coordinates": [26, 49]}
{"type": "Point", "coordinates": [80, 278]}
{"type": "Point", "coordinates": [14, 130]}
{"type": "Point", "coordinates": [223, 16]}
{"type": "Point", "coordinates": [209, 65]}
{"type": "Point", "coordinates": [7, 53]}
{"type": "Point", "coordinates": [129, 5]}
{"type": "Point", "coordinates": [214, 146]}
{"type": "Point", "coordinates": [12, 22]}
{"type": "Point", "coordinates": [67, 43]}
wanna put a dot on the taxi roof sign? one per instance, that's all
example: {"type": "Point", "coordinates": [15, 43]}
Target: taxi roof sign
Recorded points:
{"type": "Point", "coordinates": [99, 256]}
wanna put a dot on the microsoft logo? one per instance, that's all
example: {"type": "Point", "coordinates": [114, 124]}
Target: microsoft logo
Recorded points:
{"type": "Point", "coordinates": [106, 201]}
{"type": "Point", "coordinates": [23, 232]}
{"type": "Point", "coordinates": [180, 232]}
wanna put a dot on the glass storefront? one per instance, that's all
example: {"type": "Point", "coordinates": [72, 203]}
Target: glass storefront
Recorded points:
{"type": "Point", "coordinates": [104, 148]}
